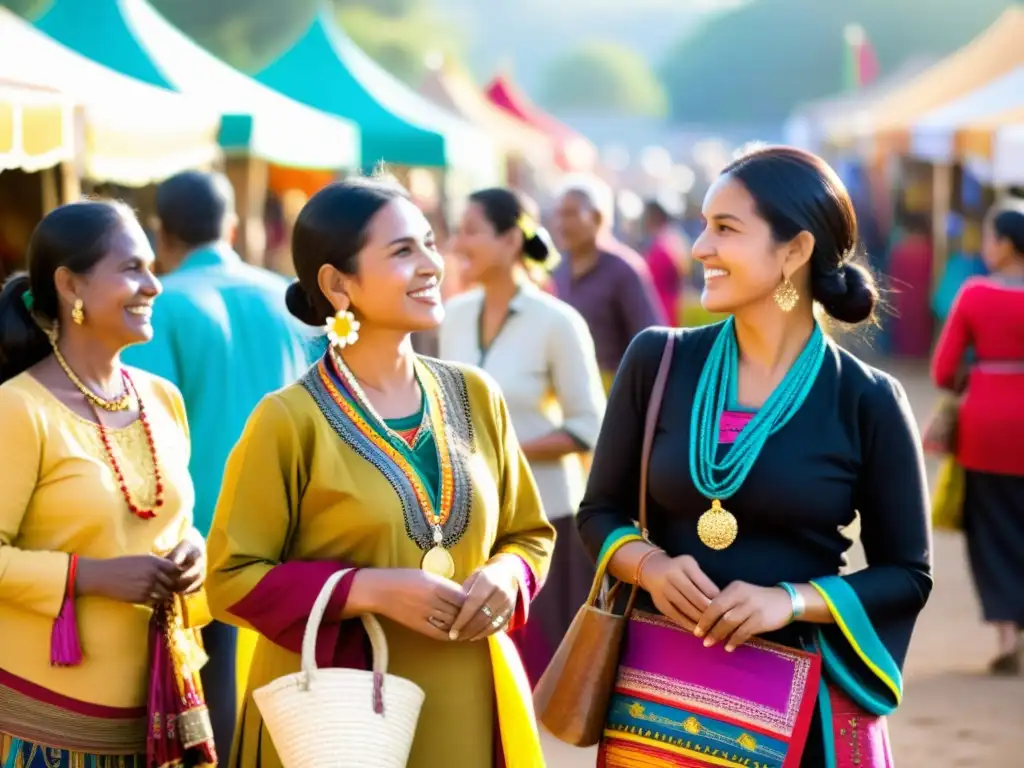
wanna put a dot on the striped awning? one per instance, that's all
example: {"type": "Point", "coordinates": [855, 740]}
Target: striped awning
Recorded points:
{"type": "Point", "coordinates": [36, 127]}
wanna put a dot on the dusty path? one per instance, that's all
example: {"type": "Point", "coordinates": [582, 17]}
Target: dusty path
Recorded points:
{"type": "Point", "coordinates": [953, 715]}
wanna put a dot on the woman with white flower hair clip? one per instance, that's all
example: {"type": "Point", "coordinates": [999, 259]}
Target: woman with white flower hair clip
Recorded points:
{"type": "Point", "coordinates": [403, 468]}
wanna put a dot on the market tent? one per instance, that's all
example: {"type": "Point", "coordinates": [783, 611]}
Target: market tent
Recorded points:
{"type": "Point", "coordinates": [326, 70]}
{"type": "Point", "coordinates": [132, 37]}
{"type": "Point", "coordinates": [452, 87]}
{"type": "Point", "coordinates": [36, 127]}
{"type": "Point", "coordinates": [994, 147]}
{"type": "Point", "coordinates": [994, 53]}
{"type": "Point", "coordinates": [127, 132]}
{"type": "Point", "coordinates": [838, 120]}
{"type": "Point", "coordinates": [574, 152]}
{"type": "Point", "coordinates": [933, 136]}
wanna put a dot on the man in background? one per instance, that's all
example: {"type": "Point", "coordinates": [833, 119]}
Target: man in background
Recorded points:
{"type": "Point", "coordinates": [604, 280]}
{"type": "Point", "coordinates": [223, 335]}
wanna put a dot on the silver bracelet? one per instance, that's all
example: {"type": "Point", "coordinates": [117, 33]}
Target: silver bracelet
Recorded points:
{"type": "Point", "coordinates": [795, 599]}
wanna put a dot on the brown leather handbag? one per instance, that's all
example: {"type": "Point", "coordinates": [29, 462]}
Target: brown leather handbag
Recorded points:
{"type": "Point", "coordinates": [571, 698]}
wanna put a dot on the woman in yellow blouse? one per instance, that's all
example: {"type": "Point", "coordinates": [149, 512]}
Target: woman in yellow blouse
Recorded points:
{"type": "Point", "coordinates": [96, 509]}
{"type": "Point", "coordinates": [403, 467]}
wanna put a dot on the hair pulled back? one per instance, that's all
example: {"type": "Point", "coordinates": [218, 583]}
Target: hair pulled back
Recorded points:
{"type": "Point", "coordinates": [1008, 224]}
{"type": "Point", "coordinates": [504, 209]}
{"type": "Point", "coordinates": [796, 191]}
{"type": "Point", "coordinates": [331, 229]}
{"type": "Point", "coordinates": [75, 236]}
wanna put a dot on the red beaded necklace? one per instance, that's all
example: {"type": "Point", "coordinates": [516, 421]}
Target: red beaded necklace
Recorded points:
{"type": "Point", "coordinates": [135, 509]}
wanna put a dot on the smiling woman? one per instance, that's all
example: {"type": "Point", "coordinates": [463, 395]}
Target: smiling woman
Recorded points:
{"type": "Point", "coordinates": [403, 468]}
{"type": "Point", "coordinates": [785, 438]}
{"type": "Point", "coordinates": [97, 549]}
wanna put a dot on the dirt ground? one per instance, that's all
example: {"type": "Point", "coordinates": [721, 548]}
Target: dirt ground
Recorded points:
{"type": "Point", "coordinates": [953, 715]}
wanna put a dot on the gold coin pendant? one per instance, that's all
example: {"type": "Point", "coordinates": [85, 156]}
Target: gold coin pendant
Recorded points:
{"type": "Point", "coordinates": [439, 562]}
{"type": "Point", "coordinates": [717, 528]}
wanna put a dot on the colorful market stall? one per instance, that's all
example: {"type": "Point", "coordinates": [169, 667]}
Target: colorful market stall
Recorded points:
{"type": "Point", "coordinates": [36, 127]}
{"type": "Point", "coordinates": [124, 131]}
{"type": "Point", "coordinates": [259, 126]}
{"type": "Point", "coordinates": [573, 151]}
{"type": "Point", "coordinates": [530, 152]}
{"type": "Point", "coordinates": [326, 70]}
{"type": "Point", "coordinates": [833, 124]}
{"type": "Point", "coordinates": [933, 136]}
{"type": "Point", "coordinates": [36, 138]}
{"type": "Point", "coordinates": [994, 53]}
{"type": "Point", "coordinates": [995, 147]}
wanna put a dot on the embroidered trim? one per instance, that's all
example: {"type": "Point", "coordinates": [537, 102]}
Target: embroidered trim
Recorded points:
{"type": "Point", "coordinates": [448, 403]}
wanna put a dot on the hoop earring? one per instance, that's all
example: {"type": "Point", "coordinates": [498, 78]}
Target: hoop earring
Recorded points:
{"type": "Point", "coordinates": [78, 312]}
{"type": "Point", "coordinates": [786, 295]}
{"type": "Point", "coordinates": [342, 329]}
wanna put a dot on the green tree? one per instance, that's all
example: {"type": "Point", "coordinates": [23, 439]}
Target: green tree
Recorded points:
{"type": "Point", "coordinates": [761, 60]}
{"type": "Point", "coordinates": [248, 34]}
{"type": "Point", "coordinates": [603, 77]}
{"type": "Point", "coordinates": [29, 9]}
{"type": "Point", "coordinates": [397, 34]}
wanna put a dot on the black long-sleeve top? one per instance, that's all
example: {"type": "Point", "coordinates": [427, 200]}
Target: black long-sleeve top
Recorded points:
{"type": "Point", "coordinates": [852, 447]}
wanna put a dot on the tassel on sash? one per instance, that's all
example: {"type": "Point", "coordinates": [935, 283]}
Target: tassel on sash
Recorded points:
{"type": "Point", "coordinates": [65, 646]}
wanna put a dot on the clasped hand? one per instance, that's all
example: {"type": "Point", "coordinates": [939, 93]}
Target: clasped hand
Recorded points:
{"type": "Point", "coordinates": [444, 610]}
{"type": "Point", "coordinates": [684, 593]}
{"type": "Point", "coordinates": [145, 579]}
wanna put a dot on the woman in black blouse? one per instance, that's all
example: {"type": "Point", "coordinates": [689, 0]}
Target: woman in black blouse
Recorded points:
{"type": "Point", "coordinates": [780, 232]}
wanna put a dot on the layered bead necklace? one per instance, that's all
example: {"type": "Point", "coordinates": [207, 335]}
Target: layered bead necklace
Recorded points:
{"type": "Point", "coordinates": [436, 559]}
{"type": "Point", "coordinates": [719, 479]}
{"type": "Point", "coordinates": [96, 402]}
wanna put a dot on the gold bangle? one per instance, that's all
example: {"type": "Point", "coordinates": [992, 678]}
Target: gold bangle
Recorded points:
{"type": "Point", "coordinates": [638, 578]}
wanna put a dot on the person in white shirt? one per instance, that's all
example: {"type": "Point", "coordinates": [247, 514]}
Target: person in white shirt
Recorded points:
{"type": "Point", "coordinates": [541, 353]}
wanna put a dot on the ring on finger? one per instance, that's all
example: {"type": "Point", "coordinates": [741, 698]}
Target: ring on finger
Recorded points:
{"type": "Point", "coordinates": [486, 611]}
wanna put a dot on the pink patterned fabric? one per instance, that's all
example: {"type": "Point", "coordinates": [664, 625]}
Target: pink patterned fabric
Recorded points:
{"type": "Point", "coordinates": [861, 739]}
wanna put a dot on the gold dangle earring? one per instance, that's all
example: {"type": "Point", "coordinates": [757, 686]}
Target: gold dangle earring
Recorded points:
{"type": "Point", "coordinates": [78, 312]}
{"type": "Point", "coordinates": [342, 329]}
{"type": "Point", "coordinates": [786, 295]}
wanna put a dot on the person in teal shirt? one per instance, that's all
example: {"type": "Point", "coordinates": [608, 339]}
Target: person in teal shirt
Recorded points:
{"type": "Point", "coordinates": [222, 334]}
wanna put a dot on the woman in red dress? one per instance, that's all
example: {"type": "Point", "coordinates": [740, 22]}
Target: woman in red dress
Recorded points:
{"type": "Point", "coordinates": [988, 319]}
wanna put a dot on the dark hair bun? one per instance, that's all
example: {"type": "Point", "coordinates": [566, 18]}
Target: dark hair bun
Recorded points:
{"type": "Point", "coordinates": [537, 248]}
{"type": "Point", "coordinates": [298, 303]}
{"type": "Point", "coordinates": [849, 294]}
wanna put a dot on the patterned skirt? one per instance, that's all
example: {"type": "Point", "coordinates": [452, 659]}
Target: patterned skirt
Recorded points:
{"type": "Point", "coordinates": [18, 753]}
{"type": "Point", "coordinates": [42, 729]}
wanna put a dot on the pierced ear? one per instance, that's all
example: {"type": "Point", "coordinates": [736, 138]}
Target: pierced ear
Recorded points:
{"type": "Point", "coordinates": [66, 284]}
{"type": "Point", "coordinates": [333, 285]}
{"type": "Point", "coordinates": [798, 252]}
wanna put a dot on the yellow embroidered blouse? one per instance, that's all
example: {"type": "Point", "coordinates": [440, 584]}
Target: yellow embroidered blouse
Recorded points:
{"type": "Point", "coordinates": [306, 484]}
{"type": "Point", "coordinates": [60, 496]}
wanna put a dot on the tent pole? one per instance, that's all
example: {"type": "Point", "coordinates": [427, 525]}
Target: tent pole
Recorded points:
{"type": "Point", "coordinates": [249, 177]}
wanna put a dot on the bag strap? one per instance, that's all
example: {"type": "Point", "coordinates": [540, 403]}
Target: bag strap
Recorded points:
{"type": "Point", "coordinates": [650, 427]}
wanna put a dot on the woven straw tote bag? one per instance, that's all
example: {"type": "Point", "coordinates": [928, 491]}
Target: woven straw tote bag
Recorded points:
{"type": "Point", "coordinates": [341, 718]}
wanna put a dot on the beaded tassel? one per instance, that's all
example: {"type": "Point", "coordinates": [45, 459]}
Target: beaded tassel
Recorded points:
{"type": "Point", "coordinates": [65, 647]}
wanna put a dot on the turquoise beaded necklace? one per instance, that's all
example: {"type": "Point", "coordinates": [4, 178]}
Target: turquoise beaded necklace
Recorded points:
{"type": "Point", "coordinates": [719, 479]}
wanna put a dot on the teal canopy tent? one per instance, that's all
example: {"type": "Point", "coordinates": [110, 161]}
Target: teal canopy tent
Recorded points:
{"type": "Point", "coordinates": [326, 70]}
{"type": "Point", "coordinates": [133, 38]}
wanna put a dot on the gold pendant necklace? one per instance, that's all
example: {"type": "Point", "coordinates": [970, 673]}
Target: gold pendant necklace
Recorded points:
{"type": "Point", "coordinates": [717, 528]}
{"type": "Point", "coordinates": [437, 560]}
{"type": "Point", "coordinates": [113, 405]}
